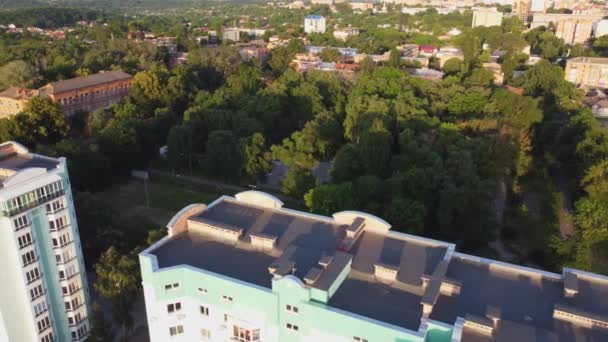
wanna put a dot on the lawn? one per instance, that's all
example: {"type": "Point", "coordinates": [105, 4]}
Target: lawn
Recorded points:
{"type": "Point", "coordinates": [167, 196]}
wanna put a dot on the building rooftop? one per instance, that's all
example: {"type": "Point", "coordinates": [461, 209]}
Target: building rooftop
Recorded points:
{"type": "Point", "coordinates": [391, 277]}
{"type": "Point", "coordinates": [85, 81]}
{"type": "Point", "coordinates": [591, 60]}
{"type": "Point", "coordinates": [15, 157]}
{"type": "Point", "coordinates": [19, 93]}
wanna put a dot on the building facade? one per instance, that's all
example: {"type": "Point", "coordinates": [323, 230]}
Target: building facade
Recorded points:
{"type": "Point", "coordinates": [13, 100]}
{"type": "Point", "coordinates": [600, 28]}
{"type": "Point", "coordinates": [89, 93]}
{"type": "Point", "coordinates": [587, 71]}
{"type": "Point", "coordinates": [231, 34]}
{"type": "Point", "coordinates": [487, 18]}
{"type": "Point", "coordinates": [245, 269]}
{"type": "Point", "coordinates": [522, 9]}
{"type": "Point", "coordinates": [44, 292]}
{"type": "Point", "coordinates": [314, 24]}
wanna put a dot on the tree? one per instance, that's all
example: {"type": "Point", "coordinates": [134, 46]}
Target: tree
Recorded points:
{"type": "Point", "coordinates": [297, 182]}
{"type": "Point", "coordinates": [347, 164]}
{"type": "Point", "coordinates": [330, 55]}
{"type": "Point", "coordinates": [406, 215]}
{"type": "Point", "coordinates": [394, 58]}
{"type": "Point", "coordinates": [41, 122]}
{"type": "Point", "coordinates": [18, 74]}
{"type": "Point", "coordinates": [375, 149]}
{"type": "Point", "coordinates": [223, 156]}
{"type": "Point", "coordinates": [453, 66]}
{"type": "Point", "coordinates": [118, 281]}
{"type": "Point", "coordinates": [101, 329]}
{"type": "Point", "coordinates": [256, 160]}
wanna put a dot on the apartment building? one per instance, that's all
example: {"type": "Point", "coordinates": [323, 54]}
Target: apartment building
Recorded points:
{"type": "Point", "coordinates": [522, 9]}
{"type": "Point", "coordinates": [13, 100]}
{"type": "Point", "coordinates": [246, 269]}
{"type": "Point", "coordinates": [572, 28]}
{"type": "Point", "coordinates": [487, 18]}
{"type": "Point", "coordinates": [43, 292]}
{"type": "Point", "coordinates": [314, 24]}
{"type": "Point", "coordinates": [89, 93]}
{"type": "Point", "coordinates": [346, 33]}
{"type": "Point", "coordinates": [588, 71]}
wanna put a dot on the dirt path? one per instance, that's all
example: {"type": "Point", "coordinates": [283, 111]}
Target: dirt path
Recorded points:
{"type": "Point", "coordinates": [500, 202]}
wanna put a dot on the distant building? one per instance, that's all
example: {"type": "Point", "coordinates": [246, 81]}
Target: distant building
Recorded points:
{"type": "Point", "coordinates": [346, 33]}
{"type": "Point", "coordinates": [89, 93]}
{"type": "Point", "coordinates": [522, 9]}
{"type": "Point", "coordinates": [487, 18]}
{"type": "Point", "coordinates": [231, 34]}
{"type": "Point", "coordinates": [409, 50]}
{"type": "Point", "coordinates": [362, 6]}
{"type": "Point", "coordinates": [587, 71]}
{"type": "Point", "coordinates": [314, 24]}
{"type": "Point", "coordinates": [13, 100]}
{"type": "Point", "coordinates": [253, 52]}
{"type": "Point", "coordinates": [322, 2]}
{"type": "Point", "coordinates": [44, 294]}
{"type": "Point", "coordinates": [572, 28]}
{"type": "Point", "coordinates": [428, 50]}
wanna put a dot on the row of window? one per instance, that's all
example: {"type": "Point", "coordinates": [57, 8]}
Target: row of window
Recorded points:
{"type": "Point", "coordinates": [55, 206]}
{"type": "Point", "coordinates": [70, 288]}
{"type": "Point", "coordinates": [43, 324]}
{"type": "Point", "coordinates": [31, 199]}
{"type": "Point", "coordinates": [25, 240]}
{"type": "Point", "coordinates": [58, 224]}
{"type": "Point", "coordinates": [73, 304]}
{"type": "Point", "coordinates": [70, 271]}
{"type": "Point", "coordinates": [75, 98]}
{"type": "Point", "coordinates": [66, 256]}
{"type": "Point", "coordinates": [40, 308]}
{"type": "Point", "coordinates": [62, 240]}
{"type": "Point", "coordinates": [77, 318]}
{"type": "Point", "coordinates": [32, 275]}
{"type": "Point", "coordinates": [21, 222]}
{"type": "Point", "coordinates": [28, 258]}
{"type": "Point", "coordinates": [80, 332]}
{"type": "Point", "coordinates": [36, 292]}
{"type": "Point", "coordinates": [48, 337]}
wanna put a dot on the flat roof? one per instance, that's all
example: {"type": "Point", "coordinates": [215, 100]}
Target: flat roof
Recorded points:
{"type": "Point", "coordinates": [14, 158]}
{"type": "Point", "coordinates": [590, 60]}
{"type": "Point", "coordinates": [392, 276]}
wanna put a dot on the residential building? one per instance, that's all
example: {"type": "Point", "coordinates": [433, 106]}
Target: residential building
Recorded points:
{"type": "Point", "coordinates": [231, 34]}
{"type": "Point", "coordinates": [588, 71]}
{"type": "Point", "coordinates": [409, 50]}
{"type": "Point", "coordinates": [246, 269]}
{"type": "Point", "coordinates": [362, 6]}
{"type": "Point", "coordinates": [572, 28]}
{"type": "Point", "coordinates": [539, 6]}
{"type": "Point", "coordinates": [89, 93]}
{"type": "Point", "coordinates": [44, 292]}
{"type": "Point", "coordinates": [13, 100]}
{"type": "Point", "coordinates": [428, 50]}
{"type": "Point", "coordinates": [522, 9]}
{"type": "Point", "coordinates": [346, 33]}
{"type": "Point", "coordinates": [314, 24]}
{"type": "Point", "coordinates": [487, 18]}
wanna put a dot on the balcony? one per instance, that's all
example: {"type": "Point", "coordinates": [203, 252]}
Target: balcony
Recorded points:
{"type": "Point", "coordinates": [72, 292]}
{"type": "Point", "coordinates": [38, 202]}
{"type": "Point", "coordinates": [67, 261]}
{"type": "Point", "coordinates": [67, 243]}
{"type": "Point", "coordinates": [58, 229]}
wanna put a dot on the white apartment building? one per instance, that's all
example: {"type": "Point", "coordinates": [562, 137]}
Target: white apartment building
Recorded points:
{"type": "Point", "coordinates": [43, 288]}
{"type": "Point", "coordinates": [314, 24]}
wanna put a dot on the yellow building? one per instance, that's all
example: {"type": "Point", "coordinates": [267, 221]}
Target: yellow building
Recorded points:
{"type": "Point", "coordinates": [574, 30]}
{"type": "Point", "coordinates": [13, 100]}
{"type": "Point", "coordinates": [588, 71]}
{"type": "Point", "coordinates": [487, 18]}
{"type": "Point", "coordinates": [521, 9]}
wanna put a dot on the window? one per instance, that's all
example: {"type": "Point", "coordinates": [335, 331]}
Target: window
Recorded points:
{"type": "Point", "coordinates": [43, 324]}
{"type": "Point", "coordinates": [204, 311]}
{"type": "Point", "coordinates": [206, 334]}
{"type": "Point", "coordinates": [171, 286]}
{"type": "Point", "coordinates": [55, 206]}
{"type": "Point", "coordinates": [58, 224]}
{"type": "Point", "coordinates": [291, 309]}
{"type": "Point", "coordinates": [21, 222]}
{"type": "Point", "coordinates": [176, 330]}
{"type": "Point", "coordinates": [201, 290]}
{"type": "Point", "coordinates": [77, 318]}
{"type": "Point", "coordinates": [359, 339]}
{"type": "Point", "coordinates": [48, 338]}
{"type": "Point", "coordinates": [36, 292]}
{"type": "Point", "coordinates": [226, 298]}
{"type": "Point", "coordinates": [292, 327]}
{"type": "Point", "coordinates": [24, 240]}
{"type": "Point", "coordinates": [32, 275]}
{"type": "Point", "coordinates": [245, 335]}
{"type": "Point", "coordinates": [82, 330]}
{"type": "Point", "coordinates": [174, 307]}
{"type": "Point", "coordinates": [40, 308]}
{"type": "Point", "coordinates": [28, 258]}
